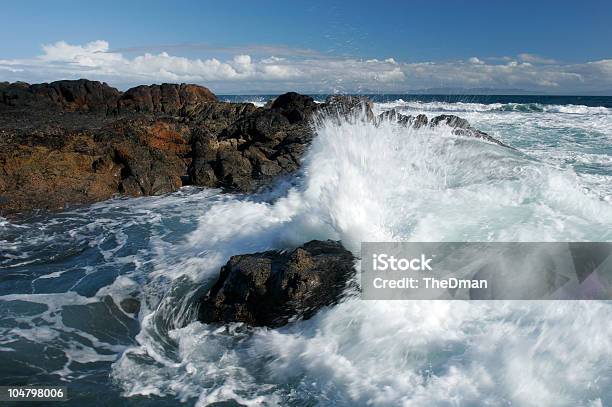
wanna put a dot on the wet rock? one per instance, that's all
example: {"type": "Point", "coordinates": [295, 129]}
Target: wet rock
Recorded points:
{"type": "Point", "coordinates": [460, 126]}
{"type": "Point", "coordinates": [343, 105]}
{"type": "Point", "coordinates": [255, 147]}
{"type": "Point", "coordinates": [405, 120]}
{"type": "Point", "coordinates": [271, 288]}
{"type": "Point", "coordinates": [419, 121]}
{"type": "Point", "coordinates": [451, 121]}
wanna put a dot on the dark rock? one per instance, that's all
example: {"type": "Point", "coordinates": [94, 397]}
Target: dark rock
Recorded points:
{"type": "Point", "coordinates": [204, 149]}
{"type": "Point", "coordinates": [166, 98]}
{"type": "Point", "coordinates": [80, 95]}
{"type": "Point", "coordinates": [233, 169]}
{"type": "Point", "coordinates": [153, 154]}
{"type": "Point", "coordinates": [451, 121]}
{"type": "Point", "coordinates": [294, 107]}
{"type": "Point", "coordinates": [347, 105]}
{"type": "Point", "coordinates": [419, 121]}
{"type": "Point", "coordinates": [405, 120]}
{"type": "Point", "coordinates": [460, 126]}
{"type": "Point", "coordinates": [95, 97]}
{"type": "Point", "coordinates": [217, 116]}
{"type": "Point", "coordinates": [271, 288]}
{"type": "Point", "coordinates": [256, 146]}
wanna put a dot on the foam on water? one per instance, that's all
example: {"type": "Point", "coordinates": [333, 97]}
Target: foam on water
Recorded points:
{"type": "Point", "coordinates": [491, 107]}
{"type": "Point", "coordinates": [363, 182]}
{"type": "Point", "coordinates": [359, 182]}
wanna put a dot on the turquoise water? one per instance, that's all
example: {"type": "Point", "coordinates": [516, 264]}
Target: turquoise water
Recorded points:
{"type": "Point", "coordinates": [100, 298]}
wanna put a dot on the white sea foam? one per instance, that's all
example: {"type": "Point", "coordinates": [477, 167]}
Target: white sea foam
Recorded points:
{"type": "Point", "coordinates": [359, 182]}
{"type": "Point", "coordinates": [366, 182]}
{"type": "Point", "coordinates": [438, 106]}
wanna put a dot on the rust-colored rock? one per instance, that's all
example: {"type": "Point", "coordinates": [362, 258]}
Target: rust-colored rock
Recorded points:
{"type": "Point", "coordinates": [166, 98]}
{"type": "Point", "coordinates": [42, 176]}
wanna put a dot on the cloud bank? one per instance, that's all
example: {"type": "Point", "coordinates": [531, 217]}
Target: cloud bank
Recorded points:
{"type": "Point", "coordinates": [305, 71]}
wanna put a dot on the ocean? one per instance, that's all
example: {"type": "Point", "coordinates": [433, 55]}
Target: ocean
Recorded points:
{"type": "Point", "coordinates": [100, 298]}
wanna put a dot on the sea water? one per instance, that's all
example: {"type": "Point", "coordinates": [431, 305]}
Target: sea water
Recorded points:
{"type": "Point", "coordinates": [101, 298]}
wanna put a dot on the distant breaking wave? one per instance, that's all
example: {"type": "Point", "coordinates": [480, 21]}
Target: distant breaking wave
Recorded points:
{"type": "Point", "coordinates": [493, 107]}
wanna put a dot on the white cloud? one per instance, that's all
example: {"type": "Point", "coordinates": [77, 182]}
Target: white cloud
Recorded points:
{"type": "Point", "coordinates": [271, 60]}
{"type": "Point", "coordinates": [309, 72]}
{"type": "Point", "coordinates": [88, 54]}
{"type": "Point", "coordinates": [536, 59]}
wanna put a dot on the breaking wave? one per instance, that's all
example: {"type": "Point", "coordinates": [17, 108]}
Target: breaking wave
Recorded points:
{"type": "Point", "coordinates": [359, 182]}
{"type": "Point", "coordinates": [492, 107]}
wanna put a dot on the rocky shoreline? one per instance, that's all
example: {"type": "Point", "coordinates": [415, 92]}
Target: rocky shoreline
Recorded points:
{"type": "Point", "coordinates": [76, 142]}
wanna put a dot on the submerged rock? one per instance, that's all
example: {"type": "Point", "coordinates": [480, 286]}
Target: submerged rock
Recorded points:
{"type": "Point", "coordinates": [271, 288]}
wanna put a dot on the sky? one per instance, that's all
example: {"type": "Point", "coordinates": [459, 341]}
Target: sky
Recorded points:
{"type": "Point", "coordinates": [562, 47]}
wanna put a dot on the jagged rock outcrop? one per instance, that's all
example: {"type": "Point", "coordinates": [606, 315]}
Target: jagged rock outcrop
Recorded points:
{"type": "Point", "coordinates": [342, 105]}
{"type": "Point", "coordinates": [460, 126]}
{"type": "Point", "coordinates": [255, 148]}
{"type": "Point", "coordinates": [271, 288]}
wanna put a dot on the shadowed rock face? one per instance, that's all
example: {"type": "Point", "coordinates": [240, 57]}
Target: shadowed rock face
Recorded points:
{"type": "Point", "coordinates": [255, 148]}
{"type": "Point", "coordinates": [77, 142]}
{"type": "Point", "coordinates": [70, 96]}
{"type": "Point", "coordinates": [270, 288]}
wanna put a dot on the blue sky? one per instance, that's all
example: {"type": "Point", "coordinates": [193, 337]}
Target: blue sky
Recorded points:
{"type": "Point", "coordinates": [316, 46]}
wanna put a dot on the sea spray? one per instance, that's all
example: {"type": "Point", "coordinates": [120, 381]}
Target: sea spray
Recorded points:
{"type": "Point", "coordinates": [360, 181]}
{"type": "Point", "coordinates": [367, 181]}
